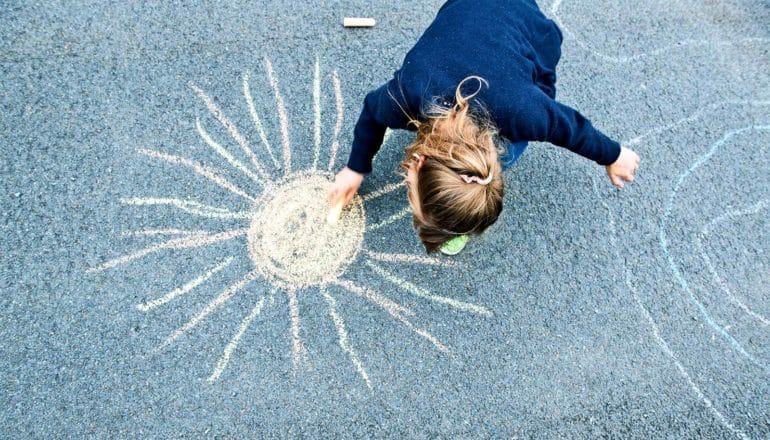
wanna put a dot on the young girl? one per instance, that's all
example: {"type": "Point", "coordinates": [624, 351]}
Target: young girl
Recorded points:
{"type": "Point", "coordinates": [479, 84]}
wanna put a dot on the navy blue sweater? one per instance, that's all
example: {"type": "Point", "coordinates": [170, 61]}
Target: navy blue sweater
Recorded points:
{"type": "Point", "coordinates": [512, 45]}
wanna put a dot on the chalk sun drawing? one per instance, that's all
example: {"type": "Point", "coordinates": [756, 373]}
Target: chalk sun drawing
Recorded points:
{"type": "Point", "coordinates": [287, 239]}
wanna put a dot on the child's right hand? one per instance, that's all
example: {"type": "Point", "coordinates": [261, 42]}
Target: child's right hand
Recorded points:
{"type": "Point", "coordinates": [345, 186]}
{"type": "Point", "coordinates": [624, 167]}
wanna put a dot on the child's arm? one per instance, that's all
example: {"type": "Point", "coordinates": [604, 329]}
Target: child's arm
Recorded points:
{"type": "Point", "coordinates": [380, 111]}
{"type": "Point", "coordinates": [545, 119]}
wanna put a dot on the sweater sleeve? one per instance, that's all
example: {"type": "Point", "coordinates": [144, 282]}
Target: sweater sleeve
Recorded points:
{"type": "Point", "coordinates": [380, 112]}
{"type": "Point", "coordinates": [545, 119]}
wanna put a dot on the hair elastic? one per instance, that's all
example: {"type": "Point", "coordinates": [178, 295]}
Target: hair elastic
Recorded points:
{"type": "Point", "coordinates": [471, 179]}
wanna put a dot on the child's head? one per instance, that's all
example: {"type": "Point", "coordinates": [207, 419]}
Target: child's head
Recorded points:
{"type": "Point", "coordinates": [453, 176]}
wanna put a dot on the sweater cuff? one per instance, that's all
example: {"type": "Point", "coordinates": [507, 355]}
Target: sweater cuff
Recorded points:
{"type": "Point", "coordinates": [610, 154]}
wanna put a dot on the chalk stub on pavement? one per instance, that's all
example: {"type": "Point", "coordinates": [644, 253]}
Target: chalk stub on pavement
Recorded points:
{"type": "Point", "coordinates": [358, 22]}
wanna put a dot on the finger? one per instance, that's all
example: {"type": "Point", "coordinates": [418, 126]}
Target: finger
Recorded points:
{"type": "Point", "coordinates": [332, 195]}
{"type": "Point", "coordinates": [616, 181]}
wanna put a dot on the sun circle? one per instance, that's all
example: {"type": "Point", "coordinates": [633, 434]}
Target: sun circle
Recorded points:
{"type": "Point", "coordinates": [290, 240]}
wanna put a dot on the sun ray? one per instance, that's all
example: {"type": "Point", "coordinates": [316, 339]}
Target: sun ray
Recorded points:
{"type": "Point", "coordinates": [179, 291]}
{"type": "Point", "coordinates": [284, 120]}
{"type": "Point", "coordinates": [375, 297]}
{"type": "Point", "coordinates": [296, 342]}
{"type": "Point", "coordinates": [408, 258]}
{"type": "Point", "coordinates": [233, 344]}
{"type": "Point", "coordinates": [392, 219]}
{"type": "Point", "coordinates": [384, 190]}
{"type": "Point", "coordinates": [386, 136]}
{"type": "Point", "coordinates": [149, 232]}
{"type": "Point", "coordinates": [343, 337]}
{"type": "Point", "coordinates": [422, 293]}
{"type": "Point", "coordinates": [255, 118]}
{"type": "Point", "coordinates": [190, 206]}
{"type": "Point", "coordinates": [393, 312]}
{"type": "Point", "coordinates": [234, 133]}
{"type": "Point", "coordinates": [204, 171]}
{"type": "Point", "coordinates": [176, 243]}
{"type": "Point", "coordinates": [210, 307]}
{"type": "Point", "coordinates": [224, 153]}
{"type": "Point", "coordinates": [317, 113]}
{"type": "Point", "coordinates": [340, 105]}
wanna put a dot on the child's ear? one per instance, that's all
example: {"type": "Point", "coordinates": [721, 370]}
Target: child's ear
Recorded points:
{"type": "Point", "coordinates": [420, 161]}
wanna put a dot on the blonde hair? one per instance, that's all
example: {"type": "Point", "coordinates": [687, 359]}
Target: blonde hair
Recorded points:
{"type": "Point", "coordinates": [459, 186]}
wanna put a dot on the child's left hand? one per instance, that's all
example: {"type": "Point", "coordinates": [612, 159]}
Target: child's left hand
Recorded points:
{"type": "Point", "coordinates": [624, 167]}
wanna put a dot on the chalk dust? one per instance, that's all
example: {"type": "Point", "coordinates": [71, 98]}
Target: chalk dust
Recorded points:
{"type": "Point", "coordinates": [290, 240]}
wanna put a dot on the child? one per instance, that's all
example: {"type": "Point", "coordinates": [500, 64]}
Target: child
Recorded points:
{"type": "Point", "coordinates": [479, 84]}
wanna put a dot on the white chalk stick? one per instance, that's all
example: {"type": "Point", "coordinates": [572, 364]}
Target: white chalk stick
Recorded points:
{"type": "Point", "coordinates": [334, 213]}
{"type": "Point", "coordinates": [358, 22]}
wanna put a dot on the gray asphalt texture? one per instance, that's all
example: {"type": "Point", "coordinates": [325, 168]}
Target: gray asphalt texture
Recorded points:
{"type": "Point", "coordinates": [634, 313]}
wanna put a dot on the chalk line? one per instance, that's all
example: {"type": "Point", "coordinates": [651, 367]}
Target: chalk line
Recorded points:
{"type": "Point", "coordinates": [389, 188]}
{"type": "Point", "coordinates": [256, 119]}
{"type": "Point", "coordinates": [179, 291]}
{"type": "Point", "coordinates": [705, 232]}
{"type": "Point", "coordinates": [176, 243]}
{"type": "Point", "coordinates": [682, 43]}
{"type": "Point", "coordinates": [392, 219]}
{"type": "Point", "coordinates": [393, 312]}
{"type": "Point", "coordinates": [151, 232]}
{"type": "Point", "coordinates": [284, 120]}
{"type": "Point", "coordinates": [233, 131]}
{"type": "Point", "coordinates": [375, 297]}
{"type": "Point", "coordinates": [386, 136]}
{"type": "Point", "coordinates": [422, 293]}
{"type": "Point", "coordinates": [409, 258]}
{"type": "Point", "coordinates": [674, 268]}
{"type": "Point", "coordinates": [200, 169]}
{"type": "Point", "coordinates": [233, 344]}
{"type": "Point", "coordinates": [317, 113]}
{"type": "Point", "coordinates": [340, 106]}
{"type": "Point", "coordinates": [296, 342]}
{"type": "Point", "coordinates": [224, 153]}
{"type": "Point", "coordinates": [343, 337]}
{"type": "Point", "coordinates": [190, 206]}
{"type": "Point", "coordinates": [658, 338]}
{"type": "Point", "coordinates": [693, 117]}
{"type": "Point", "coordinates": [210, 307]}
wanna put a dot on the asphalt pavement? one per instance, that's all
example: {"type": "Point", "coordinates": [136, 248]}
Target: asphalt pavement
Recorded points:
{"type": "Point", "coordinates": [140, 142]}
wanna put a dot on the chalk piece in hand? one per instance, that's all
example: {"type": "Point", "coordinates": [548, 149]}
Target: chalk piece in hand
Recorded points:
{"type": "Point", "coordinates": [335, 212]}
{"type": "Point", "coordinates": [358, 22]}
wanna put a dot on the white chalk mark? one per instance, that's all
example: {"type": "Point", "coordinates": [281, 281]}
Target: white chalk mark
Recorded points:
{"type": "Point", "coordinates": [150, 232]}
{"type": "Point", "coordinates": [409, 258]}
{"type": "Point", "coordinates": [343, 337]}
{"type": "Point", "coordinates": [233, 344]}
{"type": "Point", "coordinates": [190, 206]}
{"type": "Point", "coordinates": [234, 133]}
{"type": "Point", "coordinates": [256, 119]}
{"type": "Point", "coordinates": [675, 269]}
{"type": "Point", "coordinates": [384, 190]}
{"type": "Point", "coordinates": [224, 153]}
{"type": "Point", "coordinates": [422, 293]}
{"type": "Point", "coordinates": [392, 219]}
{"type": "Point", "coordinates": [179, 291]}
{"type": "Point", "coordinates": [296, 342]}
{"type": "Point", "coordinates": [658, 338]}
{"type": "Point", "coordinates": [705, 232]}
{"type": "Point", "coordinates": [317, 113]}
{"type": "Point", "coordinates": [386, 136]}
{"type": "Point", "coordinates": [658, 51]}
{"type": "Point", "coordinates": [284, 120]}
{"type": "Point", "coordinates": [340, 105]}
{"type": "Point", "coordinates": [176, 243]}
{"type": "Point", "coordinates": [204, 171]}
{"type": "Point", "coordinates": [394, 313]}
{"type": "Point", "coordinates": [210, 307]}
{"type": "Point", "coordinates": [693, 117]}
{"type": "Point", "coordinates": [375, 297]}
